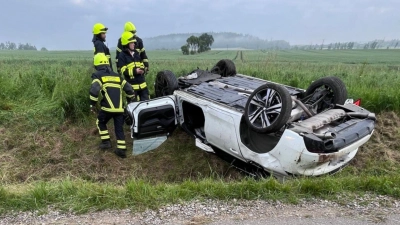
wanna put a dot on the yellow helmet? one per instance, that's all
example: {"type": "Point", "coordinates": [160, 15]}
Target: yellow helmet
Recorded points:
{"type": "Point", "coordinates": [127, 37]}
{"type": "Point", "coordinates": [99, 28]}
{"type": "Point", "coordinates": [130, 27]}
{"type": "Point", "coordinates": [100, 59]}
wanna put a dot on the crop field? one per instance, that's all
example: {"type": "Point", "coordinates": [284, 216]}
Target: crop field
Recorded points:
{"type": "Point", "coordinates": [49, 142]}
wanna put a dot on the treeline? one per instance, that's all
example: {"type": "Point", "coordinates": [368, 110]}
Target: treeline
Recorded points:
{"type": "Point", "coordinates": [197, 44]}
{"type": "Point", "coordinates": [12, 46]}
{"type": "Point", "coordinates": [223, 40]}
{"type": "Point", "coordinates": [376, 44]}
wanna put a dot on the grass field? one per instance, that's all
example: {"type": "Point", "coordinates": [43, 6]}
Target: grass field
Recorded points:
{"type": "Point", "coordinates": [48, 148]}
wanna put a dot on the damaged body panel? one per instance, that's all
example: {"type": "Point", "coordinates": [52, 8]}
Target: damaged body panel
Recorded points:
{"type": "Point", "coordinates": [258, 126]}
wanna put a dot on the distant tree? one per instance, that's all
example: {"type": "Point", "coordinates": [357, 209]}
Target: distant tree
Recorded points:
{"type": "Point", "coordinates": [193, 42]}
{"type": "Point", "coordinates": [43, 49]}
{"type": "Point", "coordinates": [374, 44]}
{"type": "Point", "coordinates": [12, 46]}
{"type": "Point", "coordinates": [366, 46]}
{"type": "Point", "coordinates": [350, 45]}
{"type": "Point", "coordinates": [197, 44]}
{"type": "Point", "coordinates": [185, 49]}
{"type": "Point", "coordinates": [397, 43]}
{"type": "Point", "coordinates": [21, 46]}
{"type": "Point", "coordinates": [204, 42]}
{"type": "Point", "coordinates": [330, 46]}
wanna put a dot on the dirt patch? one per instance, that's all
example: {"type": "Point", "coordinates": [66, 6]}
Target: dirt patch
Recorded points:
{"type": "Point", "coordinates": [384, 145]}
{"type": "Point", "coordinates": [71, 150]}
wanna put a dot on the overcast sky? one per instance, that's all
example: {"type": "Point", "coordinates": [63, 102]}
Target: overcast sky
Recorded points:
{"type": "Point", "coordinates": [67, 24]}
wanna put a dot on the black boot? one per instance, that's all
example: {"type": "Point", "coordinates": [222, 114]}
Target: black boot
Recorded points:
{"type": "Point", "coordinates": [105, 145]}
{"type": "Point", "coordinates": [120, 153]}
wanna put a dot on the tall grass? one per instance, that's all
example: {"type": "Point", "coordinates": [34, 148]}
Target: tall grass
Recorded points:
{"type": "Point", "coordinates": [51, 87]}
{"type": "Point", "coordinates": [82, 196]}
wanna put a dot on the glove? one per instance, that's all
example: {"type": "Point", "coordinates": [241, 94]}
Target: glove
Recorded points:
{"type": "Point", "coordinates": [128, 100]}
{"type": "Point", "coordinates": [93, 109]}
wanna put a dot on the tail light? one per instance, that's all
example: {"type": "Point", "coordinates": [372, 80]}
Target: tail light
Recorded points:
{"type": "Point", "coordinates": [357, 102]}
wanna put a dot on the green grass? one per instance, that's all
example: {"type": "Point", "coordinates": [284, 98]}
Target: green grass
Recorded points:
{"type": "Point", "coordinates": [48, 148]}
{"type": "Point", "coordinates": [81, 196]}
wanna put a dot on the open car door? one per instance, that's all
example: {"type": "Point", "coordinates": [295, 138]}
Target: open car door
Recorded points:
{"type": "Point", "coordinates": [152, 122]}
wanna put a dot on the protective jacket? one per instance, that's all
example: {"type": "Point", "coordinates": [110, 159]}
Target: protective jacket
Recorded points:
{"type": "Point", "coordinates": [139, 47]}
{"type": "Point", "coordinates": [111, 85]}
{"type": "Point", "coordinates": [128, 64]}
{"type": "Point", "coordinates": [99, 46]}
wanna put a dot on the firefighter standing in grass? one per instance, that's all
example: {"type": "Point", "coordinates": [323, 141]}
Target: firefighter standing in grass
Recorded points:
{"type": "Point", "coordinates": [139, 47]}
{"type": "Point", "coordinates": [99, 37]}
{"type": "Point", "coordinates": [111, 85]}
{"type": "Point", "coordinates": [132, 67]}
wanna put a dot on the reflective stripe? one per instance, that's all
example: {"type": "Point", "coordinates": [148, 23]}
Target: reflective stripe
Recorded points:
{"type": "Point", "coordinates": [111, 79]}
{"type": "Point", "coordinates": [108, 56]}
{"type": "Point", "coordinates": [123, 69]}
{"type": "Point", "coordinates": [109, 101]}
{"type": "Point", "coordinates": [112, 110]}
{"type": "Point", "coordinates": [94, 98]}
{"type": "Point", "coordinates": [119, 50]}
{"type": "Point", "coordinates": [105, 137]}
{"type": "Point", "coordinates": [103, 132]}
{"type": "Point", "coordinates": [130, 72]}
{"type": "Point", "coordinates": [121, 142]}
{"type": "Point", "coordinates": [139, 86]}
{"type": "Point", "coordinates": [107, 85]}
{"type": "Point", "coordinates": [130, 96]}
{"type": "Point", "coordinates": [121, 146]}
{"type": "Point", "coordinates": [145, 60]}
{"type": "Point", "coordinates": [96, 80]}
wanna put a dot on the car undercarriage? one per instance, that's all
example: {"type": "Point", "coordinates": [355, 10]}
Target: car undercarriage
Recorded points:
{"type": "Point", "coordinates": [258, 126]}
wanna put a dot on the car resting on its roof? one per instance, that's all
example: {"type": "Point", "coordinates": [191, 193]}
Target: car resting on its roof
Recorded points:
{"type": "Point", "coordinates": [258, 126]}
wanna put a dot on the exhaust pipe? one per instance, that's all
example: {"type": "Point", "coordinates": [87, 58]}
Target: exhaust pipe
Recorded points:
{"type": "Point", "coordinates": [362, 115]}
{"type": "Point", "coordinates": [306, 110]}
{"type": "Point", "coordinates": [327, 135]}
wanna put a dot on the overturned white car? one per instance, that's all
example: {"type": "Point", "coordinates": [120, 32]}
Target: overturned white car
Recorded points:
{"type": "Point", "coordinates": [258, 126]}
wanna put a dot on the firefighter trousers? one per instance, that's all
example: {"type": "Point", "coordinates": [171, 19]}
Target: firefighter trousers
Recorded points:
{"type": "Point", "coordinates": [102, 120]}
{"type": "Point", "coordinates": [142, 94]}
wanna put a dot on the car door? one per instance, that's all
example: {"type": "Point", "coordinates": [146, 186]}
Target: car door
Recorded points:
{"type": "Point", "coordinates": [220, 131]}
{"type": "Point", "coordinates": [152, 122]}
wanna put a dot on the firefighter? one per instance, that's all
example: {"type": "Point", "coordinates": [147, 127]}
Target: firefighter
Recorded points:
{"type": "Point", "coordinates": [139, 47]}
{"type": "Point", "coordinates": [132, 67]}
{"type": "Point", "coordinates": [99, 37]}
{"type": "Point", "coordinates": [111, 85]}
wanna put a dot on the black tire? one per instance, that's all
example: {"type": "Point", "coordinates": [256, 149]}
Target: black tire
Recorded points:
{"type": "Point", "coordinates": [266, 111]}
{"type": "Point", "coordinates": [225, 68]}
{"type": "Point", "coordinates": [336, 87]}
{"type": "Point", "coordinates": [165, 84]}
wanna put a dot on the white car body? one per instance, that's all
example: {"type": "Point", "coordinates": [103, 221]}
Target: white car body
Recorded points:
{"type": "Point", "coordinates": [222, 131]}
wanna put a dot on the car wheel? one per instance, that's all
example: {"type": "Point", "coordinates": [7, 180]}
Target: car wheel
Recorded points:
{"type": "Point", "coordinates": [326, 91]}
{"type": "Point", "coordinates": [268, 108]}
{"type": "Point", "coordinates": [165, 84]}
{"type": "Point", "coordinates": [225, 68]}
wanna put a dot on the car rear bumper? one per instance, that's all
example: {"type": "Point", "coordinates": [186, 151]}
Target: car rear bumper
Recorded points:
{"type": "Point", "coordinates": [295, 159]}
